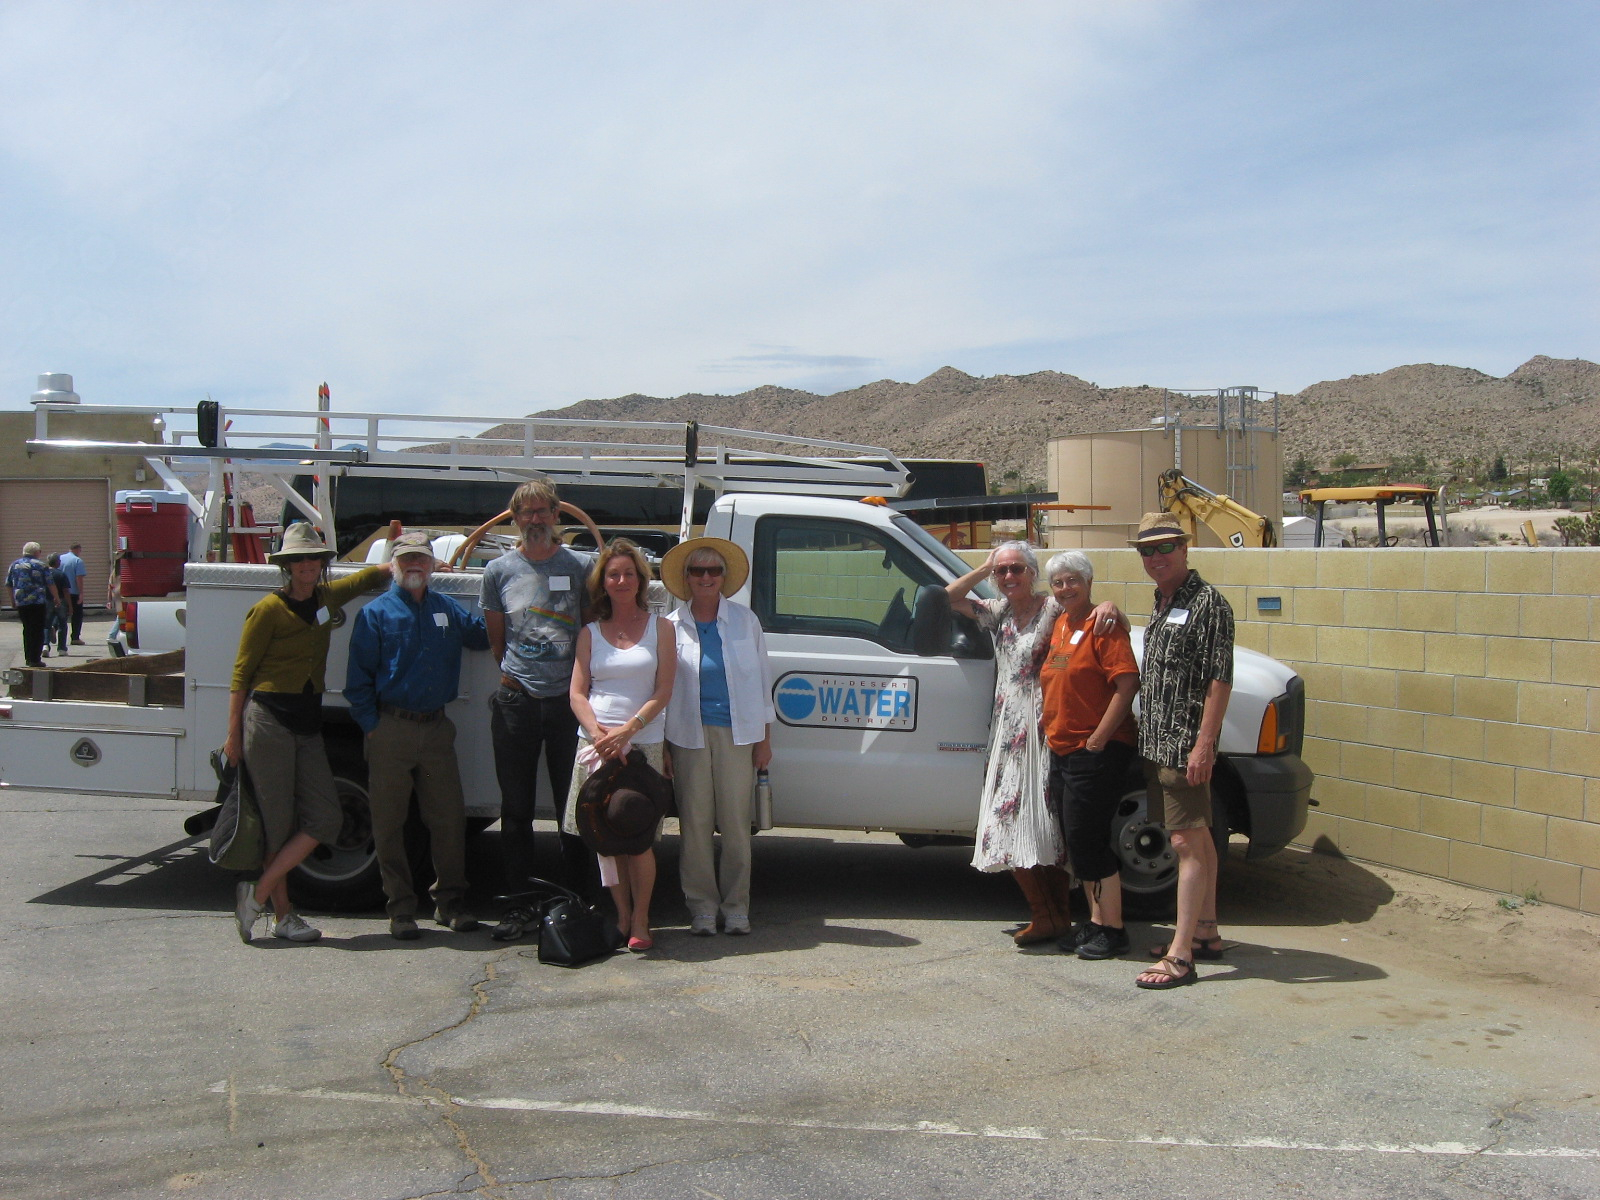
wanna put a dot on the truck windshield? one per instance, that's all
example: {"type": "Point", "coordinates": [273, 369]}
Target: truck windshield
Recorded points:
{"type": "Point", "coordinates": [942, 554]}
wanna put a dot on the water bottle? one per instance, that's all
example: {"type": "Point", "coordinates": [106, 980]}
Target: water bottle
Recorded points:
{"type": "Point", "coordinates": [763, 813]}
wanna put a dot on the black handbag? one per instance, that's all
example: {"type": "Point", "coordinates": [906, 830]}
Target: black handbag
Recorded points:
{"type": "Point", "coordinates": [572, 933]}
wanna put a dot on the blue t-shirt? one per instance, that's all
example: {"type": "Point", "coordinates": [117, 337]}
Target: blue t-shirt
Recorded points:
{"type": "Point", "coordinates": [714, 706]}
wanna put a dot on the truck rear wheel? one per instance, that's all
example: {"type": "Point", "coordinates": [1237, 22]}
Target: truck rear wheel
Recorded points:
{"type": "Point", "coordinates": [343, 874]}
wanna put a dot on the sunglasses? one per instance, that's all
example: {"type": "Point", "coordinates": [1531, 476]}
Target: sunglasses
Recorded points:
{"type": "Point", "coordinates": [299, 558]}
{"type": "Point", "coordinates": [1158, 548]}
{"type": "Point", "coordinates": [703, 572]}
{"type": "Point", "coordinates": [1011, 569]}
{"type": "Point", "coordinates": [540, 511]}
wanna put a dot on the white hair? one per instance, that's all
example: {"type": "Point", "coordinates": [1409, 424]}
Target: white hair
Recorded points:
{"type": "Point", "coordinates": [706, 556]}
{"type": "Point", "coordinates": [1070, 562]}
{"type": "Point", "coordinates": [1024, 550]}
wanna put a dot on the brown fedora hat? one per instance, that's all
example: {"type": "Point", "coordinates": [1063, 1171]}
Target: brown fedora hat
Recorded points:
{"type": "Point", "coordinates": [1158, 527]}
{"type": "Point", "coordinates": [620, 805]}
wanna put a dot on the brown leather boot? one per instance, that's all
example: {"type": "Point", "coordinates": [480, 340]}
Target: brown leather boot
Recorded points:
{"type": "Point", "coordinates": [1047, 914]}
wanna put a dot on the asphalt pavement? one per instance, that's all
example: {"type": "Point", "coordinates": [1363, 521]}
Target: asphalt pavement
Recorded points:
{"type": "Point", "coordinates": [1369, 1034]}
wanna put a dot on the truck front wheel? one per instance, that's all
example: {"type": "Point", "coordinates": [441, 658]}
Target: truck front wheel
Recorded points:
{"type": "Point", "coordinates": [1149, 863]}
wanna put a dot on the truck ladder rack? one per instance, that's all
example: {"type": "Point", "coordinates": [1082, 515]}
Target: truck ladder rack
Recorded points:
{"type": "Point", "coordinates": [325, 443]}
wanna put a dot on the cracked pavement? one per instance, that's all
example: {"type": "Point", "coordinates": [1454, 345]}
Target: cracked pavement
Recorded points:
{"type": "Point", "coordinates": [1370, 1034]}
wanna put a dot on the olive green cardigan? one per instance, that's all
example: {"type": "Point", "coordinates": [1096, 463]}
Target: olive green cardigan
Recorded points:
{"type": "Point", "coordinates": [278, 652]}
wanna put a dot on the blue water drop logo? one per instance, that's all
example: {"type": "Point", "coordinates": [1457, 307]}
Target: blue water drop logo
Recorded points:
{"type": "Point", "coordinates": [797, 699]}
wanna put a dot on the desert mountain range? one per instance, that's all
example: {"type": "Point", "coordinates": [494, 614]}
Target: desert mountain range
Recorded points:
{"type": "Point", "coordinates": [1544, 407]}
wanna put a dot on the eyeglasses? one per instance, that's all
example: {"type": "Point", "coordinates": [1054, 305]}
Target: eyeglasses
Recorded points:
{"type": "Point", "coordinates": [1158, 548]}
{"type": "Point", "coordinates": [288, 559]}
{"type": "Point", "coordinates": [702, 572]}
{"type": "Point", "coordinates": [1011, 569]}
{"type": "Point", "coordinates": [540, 511]}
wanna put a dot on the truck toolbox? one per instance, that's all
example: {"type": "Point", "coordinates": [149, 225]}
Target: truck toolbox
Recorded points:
{"type": "Point", "coordinates": [61, 746]}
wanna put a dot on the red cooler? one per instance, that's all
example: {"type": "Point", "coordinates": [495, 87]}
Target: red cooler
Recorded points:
{"type": "Point", "coordinates": [152, 542]}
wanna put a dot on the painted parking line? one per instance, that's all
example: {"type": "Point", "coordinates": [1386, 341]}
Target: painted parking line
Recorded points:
{"type": "Point", "coordinates": [607, 1108]}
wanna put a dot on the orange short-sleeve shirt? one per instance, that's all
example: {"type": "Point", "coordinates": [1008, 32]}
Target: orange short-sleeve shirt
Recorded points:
{"type": "Point", "coordinates": [1078, 681]}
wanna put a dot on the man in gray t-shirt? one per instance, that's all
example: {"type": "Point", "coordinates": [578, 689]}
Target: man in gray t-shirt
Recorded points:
{"type": "Point", "coordinates": [533, 602]}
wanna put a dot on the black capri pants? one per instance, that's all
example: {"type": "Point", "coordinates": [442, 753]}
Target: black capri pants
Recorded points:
{"type": "Point", "coordinates": [1084, 790]}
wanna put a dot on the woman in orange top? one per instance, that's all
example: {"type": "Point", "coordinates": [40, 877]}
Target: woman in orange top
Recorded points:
{"type": "Point", "coordinates": [1088, 681]}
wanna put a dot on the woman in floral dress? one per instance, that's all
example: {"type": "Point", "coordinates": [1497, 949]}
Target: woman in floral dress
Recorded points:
{"type": "Point", "coordinates": [1016, 830]}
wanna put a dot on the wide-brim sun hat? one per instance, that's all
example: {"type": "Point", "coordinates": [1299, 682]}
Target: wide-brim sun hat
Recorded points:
{"type": "Point", "coordinates": [674, 567]}
{"type": "Point", "coordinates": [1158, 527]}
{"type": "Point", "coordinates": [620, 805]}
{"type": "Point", "coordinates": [299, 539]}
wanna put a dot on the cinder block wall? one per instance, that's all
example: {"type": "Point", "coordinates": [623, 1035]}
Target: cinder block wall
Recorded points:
{"type": "Point", "coordinates": [1454, 714]}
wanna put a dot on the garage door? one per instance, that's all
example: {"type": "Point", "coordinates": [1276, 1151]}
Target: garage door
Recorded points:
{"type": "Point", "coordinates": [55, 513]}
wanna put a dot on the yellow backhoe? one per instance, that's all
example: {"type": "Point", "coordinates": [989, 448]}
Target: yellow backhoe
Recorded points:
{"type": "Point", "coordinates": [1193, 503]}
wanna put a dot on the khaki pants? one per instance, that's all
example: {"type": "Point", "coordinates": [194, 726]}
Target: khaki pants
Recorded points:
{"type": "Point", "coordinates": [293, 783]}
{"type": "Point", "coordinates": [714, 787]}
{"type": "Point", "coordinates": [403, 756]}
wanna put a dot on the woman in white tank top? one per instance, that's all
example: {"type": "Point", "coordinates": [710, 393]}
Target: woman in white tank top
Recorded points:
{"type": "Point", "coordinates": [620, 688]}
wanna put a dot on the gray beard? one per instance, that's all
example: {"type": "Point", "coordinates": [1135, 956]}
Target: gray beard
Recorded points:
{"type": "Point", "coordinates": [413, 579]}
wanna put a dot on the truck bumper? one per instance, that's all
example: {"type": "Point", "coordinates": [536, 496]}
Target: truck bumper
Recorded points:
{"type": "Point", "coordinates": [1278, 790]}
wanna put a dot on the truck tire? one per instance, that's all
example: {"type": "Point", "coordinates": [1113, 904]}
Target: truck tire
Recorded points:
{"type": "Point", "coordinates": [343, 875]}
{"type": "Point", "coordinates": [1149, 863]}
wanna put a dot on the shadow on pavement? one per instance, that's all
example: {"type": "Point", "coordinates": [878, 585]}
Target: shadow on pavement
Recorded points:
{"type": "Point", "coordinates": [807, 891]}
{"type": "Point", "coordinates": [1299, 887]}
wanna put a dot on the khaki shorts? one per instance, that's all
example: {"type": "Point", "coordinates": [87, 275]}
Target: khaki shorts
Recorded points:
{"type": "Point", "coordinates": [1184, 805]}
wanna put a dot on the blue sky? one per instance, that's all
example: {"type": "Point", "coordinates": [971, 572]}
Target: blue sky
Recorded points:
{"type": "Point", "coordinates": [500, 208]}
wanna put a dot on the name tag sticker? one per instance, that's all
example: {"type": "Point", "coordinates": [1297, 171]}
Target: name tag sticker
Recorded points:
{"type": "Point", "coordinates": [560, 583]}
{"type": "Point", "coordinates": [322, 616]}
{"type": "Point", "coordinates": [1077, 636]}
{"type": "Point", "coordinates": [442, 620]}
{"type": "Point", "coordinates": [1178, 616]}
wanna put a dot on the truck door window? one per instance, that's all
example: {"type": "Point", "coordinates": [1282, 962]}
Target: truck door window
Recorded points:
{"type": "Point", "coordinates": [820, 576]}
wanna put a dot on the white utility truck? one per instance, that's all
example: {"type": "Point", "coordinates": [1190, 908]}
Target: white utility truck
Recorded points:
{"type": "Point", "coordinates": [882, 694]}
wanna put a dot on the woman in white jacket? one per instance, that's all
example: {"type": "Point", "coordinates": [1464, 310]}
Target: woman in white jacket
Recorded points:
{"type": "Point", "coordinates": [719, 727]}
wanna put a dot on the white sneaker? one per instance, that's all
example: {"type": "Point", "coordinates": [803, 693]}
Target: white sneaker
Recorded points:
{"type": "Point", "coordinates": [703, 926]}
{"type": "Point", "coordinates": [293, 928]}
{"type": "Point", "coordinates": [44, 652]}
{"type": "Point", "coordinates": [736, 923]}
{"type": "Point", "coordinates": [246, 910]}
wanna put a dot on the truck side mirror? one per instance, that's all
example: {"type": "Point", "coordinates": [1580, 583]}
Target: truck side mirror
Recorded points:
{"type": "Point", "coordinates": [930, 622]}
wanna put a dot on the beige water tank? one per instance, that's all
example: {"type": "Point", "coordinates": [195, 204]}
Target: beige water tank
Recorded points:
{"type": "Point", "coordinates": [1122, 470]}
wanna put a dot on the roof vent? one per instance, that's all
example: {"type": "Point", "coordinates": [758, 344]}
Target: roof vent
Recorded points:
{"type": "Point", "coordinates": [55, 389]}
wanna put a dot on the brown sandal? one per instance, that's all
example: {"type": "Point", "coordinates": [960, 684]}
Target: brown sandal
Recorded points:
{"type": "Point", "coordinates": [1170, 978]}
{"type": "Point", "coordinates": [1210, 950]}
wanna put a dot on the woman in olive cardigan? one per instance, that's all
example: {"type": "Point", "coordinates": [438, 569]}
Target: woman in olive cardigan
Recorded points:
{"type": "Point", "coordinates": [275, 721]}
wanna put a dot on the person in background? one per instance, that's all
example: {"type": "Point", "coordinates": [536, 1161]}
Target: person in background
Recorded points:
{"type": "Point", "coordinates": [72, 563]}
{"type": "Point", "coordinates": [275, 721]}
{"type": "Point", "coordinates": [1188, 679]}
{"type": "Point", "coordinates": [533, 598]}
{"type": "Point", "coordinates": [1087, 684]}
{"type": "Point", "coordinates": [59, 618]}
{"type": "Point", "coordinates": [405, 666]}
{"type": "Point", "coordinates": [719, 727]}
{"type": "Point", "coordinates": [622, 678]}
{"type": "Point", "coordinates": [33, 595]}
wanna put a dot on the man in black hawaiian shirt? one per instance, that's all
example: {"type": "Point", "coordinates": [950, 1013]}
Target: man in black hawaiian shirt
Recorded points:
{"type": "Point", "coordinates": [1186, 679]}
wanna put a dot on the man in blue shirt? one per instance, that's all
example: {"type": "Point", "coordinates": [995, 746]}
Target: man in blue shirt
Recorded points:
{"type": "Point", "coordinates": [72, 566]}
{"type": "Point", "coordinates": [405, 666]}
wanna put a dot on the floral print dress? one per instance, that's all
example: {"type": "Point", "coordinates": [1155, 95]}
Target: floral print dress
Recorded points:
{"type": "Point", "coordinates": [1016, 828]}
